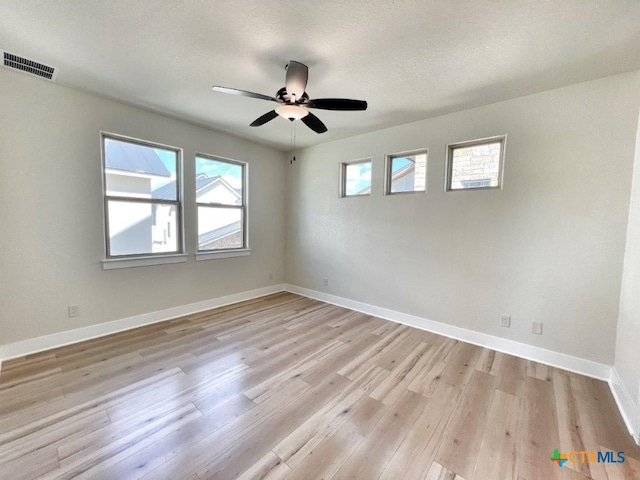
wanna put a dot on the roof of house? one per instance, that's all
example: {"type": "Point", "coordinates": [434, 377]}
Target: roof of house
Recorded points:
{"type": "Point", "coordinates": [168, 191]}
{"type": "Point", "coordinates": [202, 182]}
{"type": "Point", "coordinates": [401, 172]}
{"type": "Point", "coordinates": [132, 157]}
{"type": "Point", "coordinates": [218, 233]}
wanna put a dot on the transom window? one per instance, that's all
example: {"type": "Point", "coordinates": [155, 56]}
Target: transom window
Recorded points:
{"type": "Point", "coordinates": [143, 214]}
{"type": "Point", "coordinates": [221, 203]}
{"type": "Point", "coordinates": [355, 178]}
{"type": "Point", "coordinates": [406, 172]}
{"type": "Point", "coordinates": [475, 165]}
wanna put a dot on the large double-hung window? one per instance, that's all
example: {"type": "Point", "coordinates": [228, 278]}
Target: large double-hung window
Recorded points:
{"type": "Point", "coordinates": [142, 201]}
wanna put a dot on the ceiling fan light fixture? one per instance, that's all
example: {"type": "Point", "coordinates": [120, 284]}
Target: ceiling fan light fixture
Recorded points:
{"type": "Point", "coordinates": [292, 112]}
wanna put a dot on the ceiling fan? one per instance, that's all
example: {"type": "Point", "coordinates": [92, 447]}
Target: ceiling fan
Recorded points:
{"type": "Point", "coordinates": [294, 101]}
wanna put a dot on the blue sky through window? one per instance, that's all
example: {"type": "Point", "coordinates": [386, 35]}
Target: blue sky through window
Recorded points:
{"type": "Point", "coordinates": [399, 163]}
{"type": "Point", "coordinates": [358, 178]}
{"type": "Point", "coordinates": [232, 173]}
{"type": "Point", "coordinates": [169, 159]}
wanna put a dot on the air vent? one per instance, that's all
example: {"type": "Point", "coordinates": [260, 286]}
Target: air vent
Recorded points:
{"type": "Point", "coordinates": [28, 66]}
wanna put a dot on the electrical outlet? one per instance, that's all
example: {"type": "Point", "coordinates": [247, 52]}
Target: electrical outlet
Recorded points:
{"type": "Point", "coordinates": [325, 282]}
{"type": "Point", "coordinates": [505, 321]}
{"type": "Point", "coordinates": [536, 327]}
{"type": "Point", "coordinates": [270, 275]}
{"type": "Point", "coordinates": [74, 311]}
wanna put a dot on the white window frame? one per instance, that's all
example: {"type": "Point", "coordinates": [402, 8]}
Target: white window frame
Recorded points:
{"type": "Point", "coordinates": [388, 175]}
{"type": "Point", "coordinates": [243, 207]}
{"type": "Point", "coordinates": [502, 139]}
{"type": "Point", "coordinates": [343, 178]}
{"type": "Point", "coordinates": [150, 258]}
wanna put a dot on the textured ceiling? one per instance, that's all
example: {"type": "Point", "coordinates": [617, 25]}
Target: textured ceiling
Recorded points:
{"type": "Point", "coordinates": [409, 59]}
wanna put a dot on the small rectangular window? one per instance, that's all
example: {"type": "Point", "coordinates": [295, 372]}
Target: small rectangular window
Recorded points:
{"type": "Point", "coordinates": [356, 178]}
{"type": "Point", "coordinates": [475, 165]}
{"type": "Point", "coordinates": [221, 201]}
{"type": "Point", "coordinates": [406, 172]}
{"type": "Point", "coordinates": [141, 187]}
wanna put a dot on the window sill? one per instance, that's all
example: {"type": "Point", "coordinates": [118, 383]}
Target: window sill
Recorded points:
{"type": "Point", "coordinates": [201, 256]}
{"type": "Point", "coordinates": [114, 263]}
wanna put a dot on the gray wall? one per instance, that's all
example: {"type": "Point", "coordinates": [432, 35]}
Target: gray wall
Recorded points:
{"type": "Point", "coordinates": [547, 248]}
{"type": "Point", "coordinates": [627, 361]}
{"type": "Point", "coordinates": [52, 243]}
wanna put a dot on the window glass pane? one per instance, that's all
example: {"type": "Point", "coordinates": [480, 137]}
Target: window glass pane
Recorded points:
{"type": "Point", "coordinates": [476, 166]}
{"type": "Point", "coordinates": [357, 178]}
{"type": "Point", "coordinates": [408, 173]}
{"type": "Point", "coordinates": [140, 171]}
{"type": "Point", "coordinates": [219, 228]}
{"type": "Point", "coordinates": [218, 182]}
{"type": "Point", "coordinates": [141, 228]}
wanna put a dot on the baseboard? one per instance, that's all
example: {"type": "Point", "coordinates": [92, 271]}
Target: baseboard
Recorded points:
{"type": "Point", "coordinates": [629, 409]}
{"type": "Point", "coordinates": [47, 342]}
{"type": "Point", "coordinates": [529, 352]}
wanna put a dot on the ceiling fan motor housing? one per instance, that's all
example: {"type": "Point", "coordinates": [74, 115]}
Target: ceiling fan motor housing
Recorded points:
{"type": "Point", "coordinates": [294, 102]}
{"type": "Point", "coordinates": [282, 95]}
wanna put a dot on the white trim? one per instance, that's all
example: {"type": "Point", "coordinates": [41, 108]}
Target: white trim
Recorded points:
{"type": "Point", "coordinates": [60, 339]}
{"type": "Point", "coordinates": [629, 409]}
{"type": "Point", "coordinates": [242, 252]}
{"type": "Point", "coordinates": [113, 263]}
{"type": "Point", "coordinates": [522, 350]}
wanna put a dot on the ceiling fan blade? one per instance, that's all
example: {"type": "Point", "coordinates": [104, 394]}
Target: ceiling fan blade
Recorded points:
{"type": "Point", "coordinates": [243, 93]}
{"type": "Point", "coordinates": [345, 104]}
{"type": "Point", "coordinates": [267, 117]}
{"type": "Point", "coordinates": [296, 81]}
{"type": "Point", "coordinates": [314, 123]}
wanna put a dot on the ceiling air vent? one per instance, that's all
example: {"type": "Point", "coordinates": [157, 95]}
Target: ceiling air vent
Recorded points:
{"type": "Point", "coordinates": [28, 66]}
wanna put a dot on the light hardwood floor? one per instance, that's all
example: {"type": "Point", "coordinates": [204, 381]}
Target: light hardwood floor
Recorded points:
{"type": "Point", "coordinates": [288, 387]}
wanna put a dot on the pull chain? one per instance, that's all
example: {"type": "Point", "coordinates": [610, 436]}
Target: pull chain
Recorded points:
{"type": "Point", "coordinates": [293, 142]}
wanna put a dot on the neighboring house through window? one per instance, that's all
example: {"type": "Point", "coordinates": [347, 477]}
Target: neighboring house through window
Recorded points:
{"type": "Point", "coordinates": [406, 172]}
{"type": "Point", "coordinates": [475, 165]}
{"type": "Point", "coordinates": [141, 198]}
{"type": "Point", "coordinates": [221, 203]}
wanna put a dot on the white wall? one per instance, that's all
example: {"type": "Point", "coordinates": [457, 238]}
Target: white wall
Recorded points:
{"type": "Point", "coordinates": [51, 214]}
{"type": "Point", "coordinates": [547, 248]}
{"type": "Point", "coordinates": [627, 358]}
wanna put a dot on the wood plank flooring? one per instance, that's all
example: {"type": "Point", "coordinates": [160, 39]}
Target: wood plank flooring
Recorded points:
{"type": "Point", "coordinates": [285, 387]}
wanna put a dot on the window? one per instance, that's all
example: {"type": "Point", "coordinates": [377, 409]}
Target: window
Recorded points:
{"type": "Point", "coordinates": [141, 198]}
{"type": "Point", "coordinates": [475, 165]}
{"type": "Point", "coordinates": [406, 172]}
{"type": "Point", "coordinates": [356, 178]}
{"type": "Point", "coordinates": [221, 202]}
